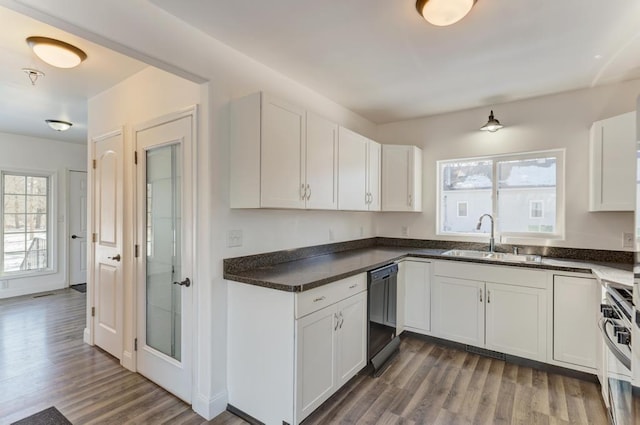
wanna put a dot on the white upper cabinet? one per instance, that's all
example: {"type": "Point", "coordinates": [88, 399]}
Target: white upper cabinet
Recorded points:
{"type": "Point", "coordinates": [401, 178]}
{"type": "Point", "coordinates": [281, 156]}
{"type": "Point", "coordinates": [359, 163]}
{"type": "Point", "coordinates": [321, 163]}
{"type": "Point", "coordinates": [612, 164]}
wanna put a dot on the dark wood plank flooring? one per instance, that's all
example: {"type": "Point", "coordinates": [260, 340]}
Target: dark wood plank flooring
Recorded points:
{"type": "Point", "coordinates": [43, 362]}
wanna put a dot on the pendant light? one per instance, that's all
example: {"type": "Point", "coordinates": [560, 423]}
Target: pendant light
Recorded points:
{"type": "Point", "coordinates": [444, 12]}
{"type": "Point", "coordinates": [492, 125]}
{"type": "Point", "coordinates": [58, 125]}
{"type": "Point", "coordinates": [55, 52]}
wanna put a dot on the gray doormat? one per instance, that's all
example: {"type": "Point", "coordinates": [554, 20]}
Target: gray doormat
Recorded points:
{"type": "Point", "coordinates": [81, 287]}
{"type": "Point", "coordinates": [50, 416]}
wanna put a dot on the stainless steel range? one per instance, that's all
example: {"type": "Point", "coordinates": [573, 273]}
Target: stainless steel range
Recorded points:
{"type": "Point", "coordinates": [616, 327]}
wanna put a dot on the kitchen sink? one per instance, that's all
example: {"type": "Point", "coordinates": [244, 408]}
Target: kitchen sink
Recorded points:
{"type": "Point", "coordinates": [497, 256]}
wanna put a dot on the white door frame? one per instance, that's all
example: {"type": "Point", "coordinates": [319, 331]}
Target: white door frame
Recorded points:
{"type": "Point", "coordinates": [138, 269]}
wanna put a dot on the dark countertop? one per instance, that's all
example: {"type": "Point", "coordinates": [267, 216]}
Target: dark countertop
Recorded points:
{"type": "Point", "coordinates": [308, 273]}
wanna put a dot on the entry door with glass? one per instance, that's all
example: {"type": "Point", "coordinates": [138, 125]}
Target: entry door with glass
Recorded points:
{"type": "Point", "coordinates": [164, 263]}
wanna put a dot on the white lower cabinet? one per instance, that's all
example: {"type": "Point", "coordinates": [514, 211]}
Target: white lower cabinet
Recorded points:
{"type": "Point", "coordinates": [331, 348]}
{"type": "Point", "coordinates": [316, 360]}
{"type": "Point", "coordinates": [289, 352]}
{"type": "Point", "coordinates": [509, 316]}
{"type": "Point", "coordinates": [516, 320]}
{"type": "Point", "coordinates": [416, 278]}
{"type": "Point", "coordinates": [575, 314]}
{"type": "Point", "coordinates": [458, 310]}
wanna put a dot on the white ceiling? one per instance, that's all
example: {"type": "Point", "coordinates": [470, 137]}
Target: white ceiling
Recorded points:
{"type": "Point", "coordinates": [62, 93]}
{"type": "Point", "coordinates": [380, 59]}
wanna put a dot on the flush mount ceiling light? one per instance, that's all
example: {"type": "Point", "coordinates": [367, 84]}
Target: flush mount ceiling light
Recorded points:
{"type": "Point", "coordinates": [492, 125]}
{"type": "Point", "coordinates": [55, 52]}
{"type": "Point", "coordinates": [444, 12]}
{"type": "Point", "coordinates": [58, 125]}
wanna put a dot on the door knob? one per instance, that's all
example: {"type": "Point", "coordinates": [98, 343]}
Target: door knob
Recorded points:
{"type": "Point", "coordinates": [185, 282]}
{"type": "Point", "coordinates": [76, 237]}
{"type": "Point", "coordinates": [115, 257]}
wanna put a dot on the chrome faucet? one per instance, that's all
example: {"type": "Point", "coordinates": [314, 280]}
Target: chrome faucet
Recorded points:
{"type": "Point", "coordinates": [492, 240]}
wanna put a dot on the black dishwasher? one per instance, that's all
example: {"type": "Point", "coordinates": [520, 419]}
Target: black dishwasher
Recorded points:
{"type": "Point", "coordinates": [383, 341]}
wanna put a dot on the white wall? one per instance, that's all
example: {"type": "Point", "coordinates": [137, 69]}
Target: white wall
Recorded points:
{"type": "Point", "coordinates": [549, 122]}
{"type": "Point", "coordinates": [34, 154]}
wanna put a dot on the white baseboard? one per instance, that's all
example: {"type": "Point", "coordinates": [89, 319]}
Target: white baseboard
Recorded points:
{"type": "Point", "coordinates": [86, 336]}
{"type": "Point", "coordinates": [210, 408]}
{"type": "Point", "coordinates": [128, 361]}
{"type": "Point", "coordinates": [27, 288]}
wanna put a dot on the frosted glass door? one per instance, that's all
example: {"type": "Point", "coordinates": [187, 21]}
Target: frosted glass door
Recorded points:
{"type": "Point", "coordinates": [163, 265]}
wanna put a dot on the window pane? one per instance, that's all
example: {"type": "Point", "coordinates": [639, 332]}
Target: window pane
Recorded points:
{"type": "Point", "coordinates": [465, 183]}
{"type": "Point", "coordinates": [36, 222]}
{"type": "Point", "coordinates": [25, 223]}
{"type": "Point", "coordinates": [527, 195]}
{"type": "Point", "coordinates": [14, 223]}
{"type": "Point", "coordinates": [15, 242]}
{"type": "Point", "coordinates": [37, 185]}
{"type": "Point", "coordinates": [14, 184]}
{"type": "Point", "coordinates": [14, 203]}
{"type": "Point", "coordinates": [36, 204]}
{"type": "Point", "coordinates": [12, 261]}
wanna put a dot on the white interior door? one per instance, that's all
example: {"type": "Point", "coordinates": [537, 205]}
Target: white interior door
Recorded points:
{"type": "Point", "coordinates": [77, 227]}
{"type": "Point", "coordinates": [108, 215]}
{"type": "Point", "coordinates": [164, 267]}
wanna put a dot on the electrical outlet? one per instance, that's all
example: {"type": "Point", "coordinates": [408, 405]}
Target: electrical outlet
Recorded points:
{"type": "Point", "coordinates": [331, 236]}
{"type": "Point", "coordinates": [404, 231]}
{"type": "Point", "coordinates": [234, 238]}
{"type": "Point", "coordinates": [627, 240]}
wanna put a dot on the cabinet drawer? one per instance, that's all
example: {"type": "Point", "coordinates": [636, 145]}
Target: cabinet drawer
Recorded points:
{"type": "Point", "coordinates": [313, 300]}
{"type": "Point", "coordinates": [520, 276]}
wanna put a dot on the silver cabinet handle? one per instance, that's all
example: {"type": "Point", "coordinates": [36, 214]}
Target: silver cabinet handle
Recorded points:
{"type": "Point", "coordinates": [322, 298]}
{"type": "Point", "coordinates": [335, 315]}
{"type": "Point", "coordinates": [341, 320]}
{"type": "Point", "coordinates": [309, 192]}
{"type": "Point", "coordinates": [488, 297]}
{"type": "Point", "coordinates": [353, 286]}
{"type": "Point", "coordinates": [480, 294]}
{"type": "Point", "coordinates": [303, 192]}
{"type": "Point", "coordinates": [410, 200]}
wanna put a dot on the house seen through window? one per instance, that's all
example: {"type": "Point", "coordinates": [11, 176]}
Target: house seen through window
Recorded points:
{"type": "Point", "coordinates": [523, 192]}
{"type": "Point", "coordinates": [25, 222]}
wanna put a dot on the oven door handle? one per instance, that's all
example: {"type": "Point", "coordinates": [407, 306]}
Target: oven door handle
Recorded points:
{"type": "Point", "coordinates": [613, 346]}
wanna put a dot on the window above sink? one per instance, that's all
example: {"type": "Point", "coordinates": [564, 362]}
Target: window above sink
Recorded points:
{"type": "Point", "coordinates": [524, 193]}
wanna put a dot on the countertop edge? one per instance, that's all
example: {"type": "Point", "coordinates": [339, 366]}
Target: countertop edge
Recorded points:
{"type": "Point", "coordinates": [571, 267]}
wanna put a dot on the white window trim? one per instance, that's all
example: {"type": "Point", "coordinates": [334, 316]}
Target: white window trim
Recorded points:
{"type": "Point", "coordinates": [52, 223]}
{"type": "Point", "coordinates": [509, 237]}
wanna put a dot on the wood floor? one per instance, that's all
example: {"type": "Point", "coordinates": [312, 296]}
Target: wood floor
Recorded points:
{"type": "Point", "coordinates": [43, 362]}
